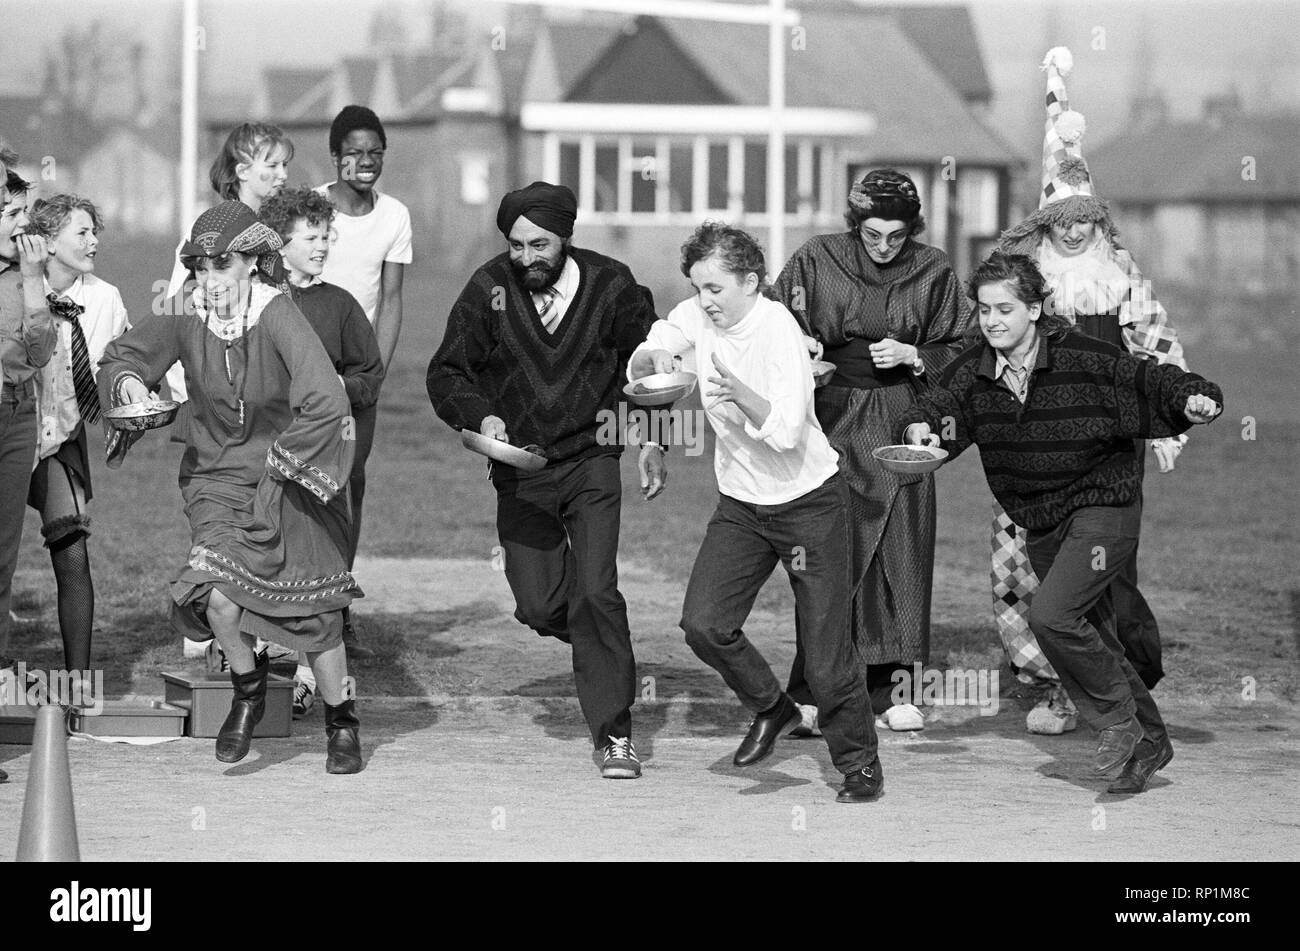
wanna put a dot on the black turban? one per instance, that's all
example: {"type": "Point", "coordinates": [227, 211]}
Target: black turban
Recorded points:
{"type": "Point", "coordinates": [548, 206]}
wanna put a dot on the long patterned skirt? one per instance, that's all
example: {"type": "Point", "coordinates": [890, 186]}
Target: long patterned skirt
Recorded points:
{"type": "Point", "coordinates": [275, 551]}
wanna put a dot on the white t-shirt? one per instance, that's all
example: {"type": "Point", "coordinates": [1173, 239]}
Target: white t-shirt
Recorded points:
{"type": "Point", "coordinates": [361, 245]}
{"type": "Point", "coordinates": [790, 455]}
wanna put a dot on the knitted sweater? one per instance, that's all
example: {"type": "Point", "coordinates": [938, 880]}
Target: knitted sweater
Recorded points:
{"type": "Point", "coordinates": [349, 339]}
{"type": "Point", "coordinates": [496, 358]}
{"type": "Point", "coordinates": [1070, 444]}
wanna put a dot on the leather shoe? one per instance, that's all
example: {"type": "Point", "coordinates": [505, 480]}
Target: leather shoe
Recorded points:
{"type": "Point", "coordinates": [1116, 745]}
{"type": "Point", "coordinates": [1146, 762]}
{"type": "Point", "coordinates": [864, 785]}
{"type": "Point", "coordinates": [760, 739]}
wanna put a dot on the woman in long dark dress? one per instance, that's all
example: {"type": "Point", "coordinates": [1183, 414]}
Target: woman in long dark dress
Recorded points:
{"type": "Point", "coordinates": [268, 449]}
{"type": "Point", "coordinates": [890, 314]}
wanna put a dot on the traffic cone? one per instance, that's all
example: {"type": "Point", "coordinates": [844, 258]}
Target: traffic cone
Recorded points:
{"type": "Point", "coordinates": [49, 829]}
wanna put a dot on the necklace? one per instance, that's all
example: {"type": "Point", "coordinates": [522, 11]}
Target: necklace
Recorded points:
{"type": "Point", "coordinates": [225, 331]}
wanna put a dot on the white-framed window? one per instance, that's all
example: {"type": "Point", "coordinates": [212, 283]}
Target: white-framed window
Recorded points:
{"type": "Point", "coordinates": [977, 200]}
{"type": "Point", "coordinates": [675, 178]}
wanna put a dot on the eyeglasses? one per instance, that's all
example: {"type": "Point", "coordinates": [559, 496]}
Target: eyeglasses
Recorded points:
{"type": "Point", "coordinates": [873, 238]}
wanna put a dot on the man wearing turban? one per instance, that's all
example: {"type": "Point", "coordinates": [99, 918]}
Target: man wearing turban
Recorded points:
{"type": "Point", "coordinates": [535, 353]}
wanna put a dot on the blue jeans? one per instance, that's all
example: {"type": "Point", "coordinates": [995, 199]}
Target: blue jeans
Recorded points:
{"type": "Point", "coordinates": [809, 536]}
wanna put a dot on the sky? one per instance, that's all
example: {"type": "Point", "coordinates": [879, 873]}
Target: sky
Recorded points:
{"type": "Point", "coordinates": [1187, 49]}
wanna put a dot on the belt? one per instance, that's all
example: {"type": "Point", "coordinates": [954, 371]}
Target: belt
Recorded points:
{"type": "Point", "coordinates": [17, 392]}
{"type": "Point", "coordinates": [855, 368]}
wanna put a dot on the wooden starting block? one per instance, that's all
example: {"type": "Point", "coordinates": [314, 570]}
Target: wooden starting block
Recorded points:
{"type": "Point", "coordinates": [207, 697]}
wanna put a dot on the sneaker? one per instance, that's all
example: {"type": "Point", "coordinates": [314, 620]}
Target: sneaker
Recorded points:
{"type": "Point", "coordinates": [274, 651]}
{"type": "Point", "coordinates": [808, 726]}
{"type": "Point", "coordinates": [304, 698]}
{"type": "Point", "coordinates": [619, 760]}
{"type": "Point", "coordinates": [902, 718]}
{"type": "Point", "coordinates": [1055, 714]}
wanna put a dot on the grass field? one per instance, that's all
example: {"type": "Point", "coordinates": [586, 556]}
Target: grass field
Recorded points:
{"type": "Point", "coordinates": [1218, 562]}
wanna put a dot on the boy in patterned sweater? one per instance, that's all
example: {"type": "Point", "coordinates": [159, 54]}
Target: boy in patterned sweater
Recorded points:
{"type": "Point", "coordinates": [1055, 414]}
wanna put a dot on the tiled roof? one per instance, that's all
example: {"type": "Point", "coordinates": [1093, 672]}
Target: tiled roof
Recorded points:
{"type": "Point", "coordinates": [919, 114]}
{"type": "Point", "coordinates": [293, 93]}
{"type": "Point", "coordinates": [1245, 158]}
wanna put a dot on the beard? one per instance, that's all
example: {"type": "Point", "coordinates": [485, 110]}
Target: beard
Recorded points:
{"type": "Point", "coordinates": [538, 276]}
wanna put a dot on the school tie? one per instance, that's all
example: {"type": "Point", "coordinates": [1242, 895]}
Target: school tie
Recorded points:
{"type": "Point", "coordinates": [83, 381]}
{"type": "Point", "coordinates": [548, 312]}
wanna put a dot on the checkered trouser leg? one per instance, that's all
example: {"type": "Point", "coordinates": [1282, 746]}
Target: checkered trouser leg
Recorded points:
{"type": "Point", "coordinates": [1014, 583]}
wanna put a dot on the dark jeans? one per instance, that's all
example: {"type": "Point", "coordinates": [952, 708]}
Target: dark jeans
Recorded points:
{"type": "Point", "coordinates": [17, 452]}
{"type": "Point", "coordinates": [810, 538]}
{"type": "Point", "coordinates": [559, 529]}
{"type": "Point", "coordinates": [1072, 613]}
{"type": "Point", "coordinates": [1135, 623]}
{"type": "Point", "coordinates": [365, 420]}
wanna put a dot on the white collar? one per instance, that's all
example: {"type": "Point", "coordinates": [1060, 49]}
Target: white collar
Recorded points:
{"type": "Point", "coordinates": [1002, 364]}
{"type": "Point", "coordinates": [567, 283]}
{"type": "Point", "coordinates": [74, 293]}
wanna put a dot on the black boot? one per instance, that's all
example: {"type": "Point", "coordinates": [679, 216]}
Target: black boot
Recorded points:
{"type": "Point", "coordinates": [342, 742]}
{"type": "Point", "coordinates": [246, 711]}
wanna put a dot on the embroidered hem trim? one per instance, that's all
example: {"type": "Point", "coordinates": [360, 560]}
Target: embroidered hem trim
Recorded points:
{"type": "Point", "coordinates": [308, 476]}
{"type": "Point", "coordinates": [284, 592]}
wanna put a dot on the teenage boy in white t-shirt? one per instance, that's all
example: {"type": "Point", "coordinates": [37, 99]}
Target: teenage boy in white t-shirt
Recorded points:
{"type": "Point", "coordinates": [371, 247]}
{"type": "Point", "coordinates": [372, 243]}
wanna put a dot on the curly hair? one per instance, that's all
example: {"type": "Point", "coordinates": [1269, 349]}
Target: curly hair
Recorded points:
{"type": "Point", "coordinates": [49, 216]}
{"type": "Point", "coordinates": [244, 144]}
{"type": "Point", "coordinates": [349, 120]}
{"type": "Point", "coordinates": [888, 194]}
{"type": "Point", "coordinates": [1026, 281]}
{"type": "Point", "coordinates": [280, 212]}
{"type": "Point", "coordinates": [737, 251]}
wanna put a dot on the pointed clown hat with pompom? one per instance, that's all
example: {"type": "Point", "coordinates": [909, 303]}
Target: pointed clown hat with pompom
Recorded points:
{"type": "Point", "coordinates": [1067, 194]}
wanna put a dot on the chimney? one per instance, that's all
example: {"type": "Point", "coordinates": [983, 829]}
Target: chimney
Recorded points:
{"type": "Point", "coordinates": [1220, 109]}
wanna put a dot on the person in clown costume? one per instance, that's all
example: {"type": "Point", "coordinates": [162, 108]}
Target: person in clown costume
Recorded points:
{"type": "Point", "coordinates": [1097, 286]}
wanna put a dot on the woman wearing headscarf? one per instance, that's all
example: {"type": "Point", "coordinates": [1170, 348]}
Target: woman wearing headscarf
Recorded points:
{"type": "Point", "coordinates": [1096, 286]}
{"type": "Point", "coordinates": [268, 449]}
{"type": "Point", "coordinates": [890, 315]}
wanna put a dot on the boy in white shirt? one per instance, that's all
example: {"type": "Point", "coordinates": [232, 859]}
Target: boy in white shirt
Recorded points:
{"type": "Point", "coordinates": [372, 243]}
{"type": "Point", "coordinates": [369, 250]}
{"type": "Point", "coordinates": [781, 499]}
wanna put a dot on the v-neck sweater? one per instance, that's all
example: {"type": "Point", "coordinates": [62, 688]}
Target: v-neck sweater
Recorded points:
{"type": "Point", "coordinates": [551, 390]}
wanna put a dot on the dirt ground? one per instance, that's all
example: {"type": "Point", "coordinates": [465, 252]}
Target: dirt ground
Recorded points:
{"type": "Point", "coordinates": [481, 753]}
